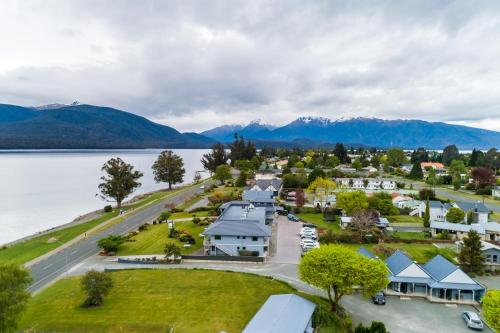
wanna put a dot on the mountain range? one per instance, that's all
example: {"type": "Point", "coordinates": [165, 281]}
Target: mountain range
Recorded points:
{"type": "Point", "coordinates": [317, 131]}
{"type": "Point", "coordinates": [82, 126]}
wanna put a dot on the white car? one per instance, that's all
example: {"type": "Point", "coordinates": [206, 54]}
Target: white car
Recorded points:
{"type": "Point", "coordinates": [309, 242]}
{"type": "Point", "coordinates": [308, 231]}
{"type": "Point", "coordinates": [308, 236]}
{"type": "Point", "coordinates": [472, 320]}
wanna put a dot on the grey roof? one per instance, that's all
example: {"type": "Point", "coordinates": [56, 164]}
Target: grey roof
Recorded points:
{"type": "Point", "coordinates": [473, 206]}
{"type": "Point", "coordinates": [435, 204]}
{"type": "Point", "coordinates": [458, 226]}
{"type": "Point", "coordinates": [439, 268]}
{"type": "Point", "coordinates": [398, 262]}
{"type": "Point", "coordinates": [246, 212]}
{"type": "Point", "coordinates": [260, 196]}
{"type": "Point", "coordinates": [238, 228]}
{"type": "Point", "coordinates": [287, 313]}
{"type": "Point", "coordinates": [363, 251]}
{"type": "Point", "coordinates": [264, 183]}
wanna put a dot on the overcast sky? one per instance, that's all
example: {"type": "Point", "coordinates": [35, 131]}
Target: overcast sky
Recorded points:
{"type": "Point", "coordinates": [197, 65]}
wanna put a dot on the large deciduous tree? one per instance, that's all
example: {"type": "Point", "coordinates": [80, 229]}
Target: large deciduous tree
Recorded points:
{"type": "Point", "coordinates": [169, 168]}
{"type": "Point", "coordinates": [216, 157]}
{"type": "Point", "coordinates": [13, 295]}
{"type": "Point", "coordinates": [396, 156]}
{"type": "Point", "coordinates": [120, 180]}
{"type": "Point", "coordinates": [223, 173]}
{"type": "Point", "coordinates": [482, 177]}
{"type": "Point", "coordinates": [338, 269]}
{"type": "Point", "coordinates": [323, 189]}
{"type": "Point", "coordinates": [450, 153]}
{"type": "Point", "coordinates": [491, 309]}
{"type": "Point", "coordinates": [353, 201]}
{"type": "Point", "coordinates": [96, 285]}
{"type": "Point", "coordinates": [470, 257]}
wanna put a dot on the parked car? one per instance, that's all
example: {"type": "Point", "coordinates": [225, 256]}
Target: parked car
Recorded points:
{"type": "Point", "coordinates": [379, 298]}
{"type": "Point", "coordinates": [308, 241]}
{"type": "Point", "coordinates": [309, 225]}
{"type": "Point", "coordinates": [283, 211]}
{"type": "Point", "coordinates": [472, 320]}
{"type": "Point", "coordinates": [309, 246]}
{"type": "Point", "coordinates": [308, 236]}
{"type": "Point", "coordinates": [307, 231]}
{"type": "Point", "coordinates": [293, 218]}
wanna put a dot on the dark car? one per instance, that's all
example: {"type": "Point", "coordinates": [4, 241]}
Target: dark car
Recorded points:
{"type": "Point", "coordinates": [379, 298]}
{"type": "Point", "coordinates": [293, 218]}
{"type": "Point", "coordinates": [282, 211]}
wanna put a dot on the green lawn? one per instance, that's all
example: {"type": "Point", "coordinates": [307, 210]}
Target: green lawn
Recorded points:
{"type": "Point", "coordinates": [404, 219]}
{"type": "Point", "coordinates": [182, 215]}
{"type": "Point", "coordinates": [409, 235]}
{"type": "Point", "coordinates": [155, 300]}
{"type": "Point", "coordinates": [153, 240]}
{"type": "Point", "coordinates": [317, 218]}
{"type": "Point", "coordinates": [23, 252]}
{"type": "Point", "coordinates": [418, 252]}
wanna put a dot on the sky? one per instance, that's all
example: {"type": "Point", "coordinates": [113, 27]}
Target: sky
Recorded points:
{"type": "Point", "coordinates": [194, 65]}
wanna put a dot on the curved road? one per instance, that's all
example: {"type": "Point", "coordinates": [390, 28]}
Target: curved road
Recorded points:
{"type": "Point", "coordinates": [49, 269]}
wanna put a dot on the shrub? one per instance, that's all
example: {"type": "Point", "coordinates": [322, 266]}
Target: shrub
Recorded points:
{"type": "Point", "coordinates": [110, 243]}
{"type": "Point", "coordinates": [164, 216]}
{"type": "Point", "coordinates": [205, 222]}
{"type": "Point", "coordinates": [383, 251]}
{"type": "Point", "coordinates": [108, 209]}
{"type": "Point", "coordinates": [186, 238]}
{"type": "Point", "coordinates": [196, 220]}
{"type": "Point", "coordinates": [96, 285]}
{"type": "Point", "coordinates": [143, 227]}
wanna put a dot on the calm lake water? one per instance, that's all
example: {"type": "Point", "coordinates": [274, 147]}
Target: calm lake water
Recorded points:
{"type": "Point", "coordinates": [42, 189]}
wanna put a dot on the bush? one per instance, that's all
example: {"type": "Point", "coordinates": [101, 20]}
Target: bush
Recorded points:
{"type": "Point", "coordinates": [186, 238]}
{"type": "Point", "coordinates": [470, 187]}
{"type": "Point", "coordinates": [96, 285]}
{"type": "Point", "coordinates": [484, 191]}
{"type": "Point", "coordinates": [165, 215]}
{"type": "Point", "coordinates": [143, 227]}
{"type": "Point", "coordinates": [383, 251]}
{"type": "Point", "coordinates": [196, 220]}
{"type": "Point", "coordinates": [108, 209]}
{"type": "Point", "coordinates": [205, 222]}
{"type": "Point", "coordinates": [111, 243]}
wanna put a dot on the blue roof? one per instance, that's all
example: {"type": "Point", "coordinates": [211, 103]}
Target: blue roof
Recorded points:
{"type": "Point", "coordinates": [260, 196]}
{"type": "Point", "coordinates": [435, 204]}
{"type": "Point", "coordinates": [398, 262]}
{"type": "Point", "coordinates": [363, 251]}
{"type": "Point", "coordinates": [473, 206]}
{"type": "Point", "coordinates": [439, 268]}
{"type": "Point", "coordinates": [286, 313]}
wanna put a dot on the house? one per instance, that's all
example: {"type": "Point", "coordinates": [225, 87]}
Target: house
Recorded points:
{"type": "Point", "coordinates": [380, 222]}
{"type": "Point", "coordinates": [491, 253]}
{"type": "Point", "coordinates": [281, 164]}
{"type": "Point", "coordinates": [366, 183]}
{"type": "Point", "coordinates": [478, 210]}
{"type": "Point", "coordinates": [438, 167]}
{"type": "Point", "coordinates": [404, 201]}
{"type": "Point", "coordinates": [437, 210]}
{"type": "Point", "coordinates": [240, 230]}
{"type": "Point", "coordinates": [258, 198]}
{"type": "Point", "coordinates": [275, 185]}
{"type": "Point", "coordinates": [406, 168]}
{"type": "Point", "coordinates": [285, 313]}
{"type": "Point", "coordinates": [389, 184]}
{"type": "Point", "coordinates": [438, 280]}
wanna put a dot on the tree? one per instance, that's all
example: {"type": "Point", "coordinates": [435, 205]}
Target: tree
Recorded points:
{"type": "Point", "coordinates": [362, 221]}
{"type": "Point", "coordinates": [376, 327]}
{"type": "Point", "coordinates": [323, 189]}
{"type": "Point", "coordinates": [111, 243]}
{"type": "Point", "coordinates": [455, 215]}
{"type": "Point", "coordinates": [171, 250]}
{"type": "Point", "coordinates": [457, 166]}
{"type": "Point", "coordinates": [241, 181]}
{"type": "Point", "coordinates": [427, 214]}
{"type": "Point", "coordinates": [120, 181]}
{"type": "Point", "coordinates": [338, 269]}
{"type": "Point", "coordinates": [382, 202]}
{"type": "Point", "coordinates": [223, 173]}
{"type": "Point", "coordinates": [431, 177]}
{"type": "Point", "coordinates": [240, 150]}
{"type": "Point", "coordinates": [426, 193]}
{"type": "Point", "coordinates": [96, 285]}
{"type": "Point", "coordinates": [482, 177]}
{"type": "Point", "coordinates": [450, 153]}
{"type": "Point", "coordinates": [13, 295]}
{"type": "Point", "coordinates": [470, 257]}
{"type": "Point", "coordinates": [396, 156]}
{"type": "Point", "coordinates": [476, 158]}
{"type": "Point", "coordinates": [197, 177]}
{"type": "Point", "coordinates": [492, 159]}
{"type": "Point", "coordinates": [168, 168]}
{"type": "Point", "coordinates": [216, 157]}
{"type": "Point", "coordinates": [315, 174]}
{"type": "Point", "coordinates": [341, 153]}
{"type": "Point", "coordinates": [419, 155]}
{"type": "Point", "coordinates": [300, 199]}
{"type": "Point", "coordinates": [353, 201]}
{"type": "Point", "coordinates": [491, 308]}
{"type": "Point", "coordinates": [416, 172]}
{"type": "Point", "coordinates": [456, 181]}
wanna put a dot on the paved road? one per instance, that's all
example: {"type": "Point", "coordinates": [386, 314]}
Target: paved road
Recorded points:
{"type": "Point", "coordinates": [288, 242]}
{"type": "Point", "coordinates": [49, 269]}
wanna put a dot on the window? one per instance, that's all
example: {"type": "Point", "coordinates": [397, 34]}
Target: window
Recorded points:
{"type": "Point", "coordinates": [238, 248]}
{"type": "Point", "coordinates": [217, 237]}
{"type": "Point", "coordinates": [244, 237]}
{"type": "Point", "coordinates": [237, 237]}
{"type": "Point", "coordinates": [495, 258]}
{"type": "Point", "coordinates": [488, 258]}
{"type": "Point", "coordinates": [255, 238]}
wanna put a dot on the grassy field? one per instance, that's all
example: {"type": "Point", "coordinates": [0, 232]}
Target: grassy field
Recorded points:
{"type": "Point", "coordinates": [418, 252]}
{"type": "Point", "coordinates": [404, 219]}
{"type": "Point", "coordinates": [317, 218]}
{"type": "Point", "coordinates": [409, 235]}
{"type": "Point", "coordinates": [154, 301]}
{"type": "Point", "coordinates": [23, 252]}
{"type": "Point", "coordinates": [153, 240]}
{"type": "Point", "coordinates": [183, 215]}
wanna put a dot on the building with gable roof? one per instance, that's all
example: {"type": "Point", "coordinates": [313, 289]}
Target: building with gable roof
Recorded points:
{"type": "Point", "coordinates": [406, 276]}
{"type": "Point", "coordinates": [274, 185]}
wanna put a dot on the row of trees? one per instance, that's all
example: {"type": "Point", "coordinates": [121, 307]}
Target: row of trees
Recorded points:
{"type": "Point", "coordinates": [121, 180]}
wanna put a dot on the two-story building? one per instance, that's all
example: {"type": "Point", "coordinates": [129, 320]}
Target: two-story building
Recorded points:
{"type": "Point", "coordinates": [437, 210]}
{"type": "Point", "coordinates": [491, 254]}
{"type": "Point", "coordinates": [241, 229]}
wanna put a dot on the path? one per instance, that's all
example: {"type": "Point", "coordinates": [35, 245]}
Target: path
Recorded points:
{"type": "Point", "coordinates": [48, 269]}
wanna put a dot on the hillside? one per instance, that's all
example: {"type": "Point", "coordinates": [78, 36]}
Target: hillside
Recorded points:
{"type": "Point", "coordinates": [369, 132]}
{"type": "Point", "coordinates": [87, 126]}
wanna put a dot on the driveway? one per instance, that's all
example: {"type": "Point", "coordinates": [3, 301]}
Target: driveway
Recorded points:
{"type": "Point", "coordinates": [409, 316]}
{"type": "Point", "coordinates": [288, 242]}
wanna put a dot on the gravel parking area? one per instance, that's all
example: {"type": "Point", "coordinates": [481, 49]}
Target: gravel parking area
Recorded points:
{"type": "Point", "coordinates": [410, 316]}
{"type": "Point", "coordinates": [288, 249]}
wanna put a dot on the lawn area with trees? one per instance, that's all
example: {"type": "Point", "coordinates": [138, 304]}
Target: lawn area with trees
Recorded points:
{"type": "Point", "coordinates": [156, 300]}
{"type": "Point", "coordinates": [317, 218]}
{"type": "Point", "coordinates": [154, 239]}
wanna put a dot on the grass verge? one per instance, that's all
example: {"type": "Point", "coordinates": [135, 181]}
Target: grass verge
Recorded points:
{"type": "Point", "coordinates": [156, 300]}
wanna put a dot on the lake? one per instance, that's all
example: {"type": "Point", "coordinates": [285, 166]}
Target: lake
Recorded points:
{"type": "Point", "coordinates": [41, 189]}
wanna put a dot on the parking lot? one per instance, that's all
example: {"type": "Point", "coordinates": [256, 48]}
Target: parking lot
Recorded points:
{"type": "Point", "coordinates": [410, 316]}
{"type": "Point", "coordinates": [288, 249]}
